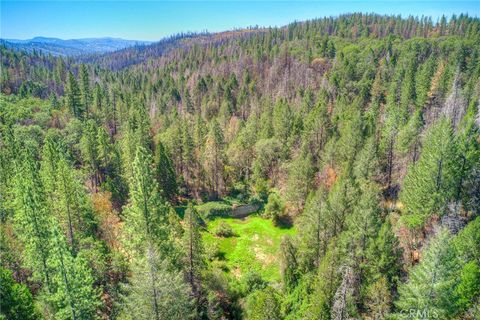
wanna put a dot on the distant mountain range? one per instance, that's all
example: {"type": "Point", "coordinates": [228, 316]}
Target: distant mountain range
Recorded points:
{"type": "Point", "coordinates": [72, 47]}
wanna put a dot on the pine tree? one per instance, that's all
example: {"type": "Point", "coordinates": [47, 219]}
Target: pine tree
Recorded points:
{"type": "Point", "coordinates": [135, 133]}
{"type": "Point", "coordinates": [187, 152]}
{"type": "Point", "coordinates": [379, 299]}
{"type": "Point", "coordinates": [194, 263]}
{"type": "Point", "coordinates": [362, 223]}
{"type": "Point", "coordinates": [32, 219]}
{"type": "Point", "coordinates": [155, 292]}
{"type": "Point", "coordinates": [317, 126]}
{"type": "Point", "coordinates": [97, 99]}
{"type": "Point", "coordinates": [65, 279]}
{"type": "Point", "coordinates": [366, 165]}
{"type": "Point", "coordinates": [326, 282]}
{"type": "Point", "coordinates": [149, 241]}
{"type": "Point", "coordinates": [50, 157]}
{"type": "Point", "coordinates": [128, 147]}
{"type": "Point", "coordinates": [385, 257]}
{"type": "Point", "coordinates": [264, 305]}
{"type": "Point", "coordinates": [431, 182]}
{"type": "Point", "coordinates": [86, 97]}
{"type": "Point", "coordinates": [74, 98]}
{"type": "Point", "coordinates": [408, 141]}
{"type": "Point", "coordinates": [430, 286]}
{"type": "Point", "coordinates": [88, 147]}
{"type": "Point", "coordinates": [67, 197]}
{"type": "Point", "coordinates": [290, 272]}
{"type": "Point", "coordinates": [53, 101]}
{"type": "Point", "coordinates": [344, 306]}
{"type": "Point", "coordinates": [468, 188]}
{"type": "Point", "coordinates": [392, 124]}
{"type": "Point", "coordinates": [110, 167]}
{"type": "Point", "coordinates": [283, 124]}
{"type": "Point", "coordinates": [466, 245]}
{"type": "Point", "coordinates": [316, 224]}
{"type": "Point", "coordinates": [71, 204]}
{"type": "Point", "coordinates": [300, 180]}
{"type": "Point", "coordinates": [342, 198]}
{"type": "Point", "coordinates": [146, 215]}
{"type": "Point", "coordinates": [165, 173]}
{"type": "Point", "coordinates": [59, 75]}
{"type": "Point", "coordinates": [74, 296]}
{"type": "Point", "coordinates": [8, 161]}
{"type": "Point", "coordinates": [214, 158]}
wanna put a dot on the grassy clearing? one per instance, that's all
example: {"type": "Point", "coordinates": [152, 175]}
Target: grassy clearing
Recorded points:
{"type": "Point", "coordinates": [255, 246]}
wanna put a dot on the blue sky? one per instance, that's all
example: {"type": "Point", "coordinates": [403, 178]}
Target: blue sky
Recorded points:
{"type": "Point", "coordinates": [152, 20]}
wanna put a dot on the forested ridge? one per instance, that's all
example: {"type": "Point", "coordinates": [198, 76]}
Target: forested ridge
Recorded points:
{"type": "Point", "coordinates": [356, 139]}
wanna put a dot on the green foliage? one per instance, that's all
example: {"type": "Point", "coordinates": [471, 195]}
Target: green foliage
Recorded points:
{"type": "Point", "coordinates": [89, 148]}
{"type": "Point", "coordinates": [469, 286]}
{"type": "Point", "coordinates": [32, 221]}
{"type": "Point", "coordinates": [145, 214]}
{"type": "Point", "coordinates": [235, 254]}
{"type": "Point", "coordinates": [224, 230]}
{"type": "Point", "coordinates": [326, 283]}
{"type": "Point", "coordinates": [290, 270]}
{"type": "Point", "coordinates": [73, 95]}
{"type": "Point", "coordinates": [67, 279]}
{"type": "Point", "coordinates": [316, 224]}
{"type": "Point", "coordinates": [165, 174]}
{"type": "Point", "coordinates": [466, 245]}
{"type": "Point", "coordinates": [431, 182]}
{"type": "Point", "coordinates": [193, 256]}
{"type": "Point", "coordinates": [300, 180]}
{"type": "Point", "coordinates": [362, 223]}
{"type": "Point", "coordinates": [379, 299]}
{"type": "Point", "coordinates": [274, 208]}
{"type": "Point", "coordinates": [268, 154]}
{"type": "Point", "coordinates": [155, 292]}
{"type": "Point", "coordinates": [430, 286]}
{"type": "Point", "coordinates": [74, 296]}
{"type": "Point", "coordinates": [385, 255]}
{"type": "Point", "coordinates": [16, 302]}
{"type": "Point", "coordinates": [408, 137]}
{"type": "Point", "coordinates": [213, 209]}
{"type": "Point", "coordinates": [86, 96]}
{"type": "Point", "coordinates": [263, 304]}
{"type": "Point", "coordinates": [214, 157]}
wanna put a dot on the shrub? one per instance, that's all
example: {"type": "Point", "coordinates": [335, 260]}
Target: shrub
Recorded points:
{"type": "Point", "coordinates": [224, 230]}
{"type": "Point", "coordinates": [252, 281]}
{"type": "Point", "coordinates": [263, 304]}
{"type": "Point", "coordinates": [213, 209]}
{"type": "Point", "coordinates": [274, 207]}
{"type": "Point", "coordinates": [212, 251]}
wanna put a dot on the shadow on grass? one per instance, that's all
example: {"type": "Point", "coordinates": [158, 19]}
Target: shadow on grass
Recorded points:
{"type": "Point", "coordinates": [221, 256]}
{"type": "Point", "coordinates": [284, 222]}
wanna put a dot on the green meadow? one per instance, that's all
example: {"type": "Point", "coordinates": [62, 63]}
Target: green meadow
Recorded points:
{"type": "Point", "coordinates": [254, 247]}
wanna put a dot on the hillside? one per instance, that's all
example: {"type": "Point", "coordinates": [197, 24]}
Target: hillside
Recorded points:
{"type": "Point", "coordinates": [72, 47]}
{"type": "Point", "coordinates": [357, 138]}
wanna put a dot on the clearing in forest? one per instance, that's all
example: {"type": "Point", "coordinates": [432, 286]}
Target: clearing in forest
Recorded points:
{"type": "Point", "coordinates": [254, 247]}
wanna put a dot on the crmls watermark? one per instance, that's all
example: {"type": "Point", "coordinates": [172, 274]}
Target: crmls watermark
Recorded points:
{"type": "Point", "coordinates": [419, 314]}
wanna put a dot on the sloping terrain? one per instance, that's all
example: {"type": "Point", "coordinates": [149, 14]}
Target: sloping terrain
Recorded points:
{"type": "Point", "coordinates": [72, 47]}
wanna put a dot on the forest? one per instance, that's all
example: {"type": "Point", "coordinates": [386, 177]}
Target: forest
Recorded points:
{"type": "Point", "coordinates": [328, 169]}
